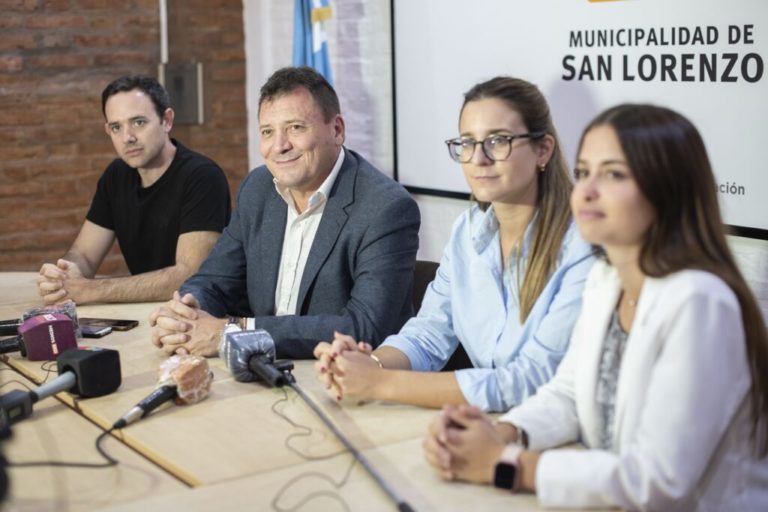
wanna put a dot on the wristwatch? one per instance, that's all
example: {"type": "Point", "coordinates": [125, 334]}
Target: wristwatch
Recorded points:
{"type": "Point", "coordinates": [505, 476]}
{"type": "Point", "coordinates": [239, 321]}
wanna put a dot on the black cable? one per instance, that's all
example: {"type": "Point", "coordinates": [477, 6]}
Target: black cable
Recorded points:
{"type": "Point", "coordinates": [87, 465]}
{"type": "Point", "coordinates": [111, 461]}
{"type": "Point", "coordinates": [317, 494]}
{"type": "Point", "coordinates": [48, 367]}
{"type": "Point", "coordinates": [20, 382]}
{"type": "Point", "coordinates": [307, 431]}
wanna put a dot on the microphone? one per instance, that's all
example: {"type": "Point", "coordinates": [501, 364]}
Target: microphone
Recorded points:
{"type": "Point", "coordinates": [42, 337]}
{"type": "Point", "coordinates": [250, 355]}
{"type": "Point", "coordinates": [87, 372]}
{"type": "Point", "coordinates": [9, 327]}
{"type": "Point", "coordinates": [184, 379]}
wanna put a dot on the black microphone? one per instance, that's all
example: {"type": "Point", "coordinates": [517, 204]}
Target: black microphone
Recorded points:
{"type": "Point", "coordinates": [87, 372]}
{"type": "Point", "coordinates": [250, 355]}
{"type": "Point", "coordinates": [15, 344]}
{"type": "Point", "coordinates": [5, 433]}
{"type": "Point", "coordinates": [185, 379]}
{"type": "Point", "coordinates": [9, 327]}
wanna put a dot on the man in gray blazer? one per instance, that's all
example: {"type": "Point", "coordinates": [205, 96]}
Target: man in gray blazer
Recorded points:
{"type": "Point", "coordinates": [320, 240]}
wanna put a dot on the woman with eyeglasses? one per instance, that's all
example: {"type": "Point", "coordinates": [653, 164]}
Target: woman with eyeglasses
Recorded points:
{"type": "Point", "coordinates": [509, 284]}
{"type": "Point", "coordinates": [666, 378]}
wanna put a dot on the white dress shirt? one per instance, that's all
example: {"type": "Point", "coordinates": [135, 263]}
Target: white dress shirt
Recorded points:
{"type": "Point", "coordinates": [300, 231]}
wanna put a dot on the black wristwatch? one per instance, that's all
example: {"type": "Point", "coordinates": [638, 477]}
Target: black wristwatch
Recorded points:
{"type": "Point", "coordinates": [505, 475]}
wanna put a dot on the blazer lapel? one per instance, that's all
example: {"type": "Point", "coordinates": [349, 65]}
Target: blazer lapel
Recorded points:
{"type": "Point", "coordinates": [600, 302]}
{"type": "Point", "coordinates": [631, 386]}
{"type": "Point", "coordinates": [271, 234]}
{"type": "Point", "coordinates": [333, 220]}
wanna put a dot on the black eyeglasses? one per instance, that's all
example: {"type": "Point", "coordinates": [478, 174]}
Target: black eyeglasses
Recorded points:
{"type": "Point", "coordinates": [496, 147]}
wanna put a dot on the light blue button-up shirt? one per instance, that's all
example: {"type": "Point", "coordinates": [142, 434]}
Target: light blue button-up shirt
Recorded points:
{"type": "Point", "coordinates": [473, 301]}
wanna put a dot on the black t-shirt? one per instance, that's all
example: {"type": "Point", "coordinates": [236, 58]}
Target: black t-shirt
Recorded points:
{"type": "Point", "coordinates": [191, 195]}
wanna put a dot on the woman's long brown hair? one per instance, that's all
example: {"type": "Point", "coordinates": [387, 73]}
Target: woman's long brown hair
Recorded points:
{"type": "Point", "coordinates": [669, 162]}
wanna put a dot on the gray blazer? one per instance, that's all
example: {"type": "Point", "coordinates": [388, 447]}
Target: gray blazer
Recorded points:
{"type": "Point", "coordinates": [359, 272]}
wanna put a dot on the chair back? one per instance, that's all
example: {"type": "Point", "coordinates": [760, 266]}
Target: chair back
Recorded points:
{"type": "Point", "coordinates": [423, 274]}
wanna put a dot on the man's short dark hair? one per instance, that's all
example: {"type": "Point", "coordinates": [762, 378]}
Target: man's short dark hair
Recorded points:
{"type": "Point", "coordinates": [286, 80]}
{"type": "Point", "coordinates": [147, 84]}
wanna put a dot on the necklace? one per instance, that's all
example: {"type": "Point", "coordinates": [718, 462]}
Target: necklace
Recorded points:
{"type": "Point", "coordinates": [631, 302]}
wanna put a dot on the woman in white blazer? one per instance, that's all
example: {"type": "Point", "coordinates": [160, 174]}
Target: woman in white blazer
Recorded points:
{"type": "Point", "coordinates": [666, 377]}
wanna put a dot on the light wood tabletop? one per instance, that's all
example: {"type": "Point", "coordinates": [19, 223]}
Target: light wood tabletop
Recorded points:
{"type": "Point", "coordinates": [237, 422]}
{"type": "Point", "coordinates": [248, 445]}
{"type": "Point", "coordinates": [321, 485]}
{"type": "Point", "coordinates": [55, 433]}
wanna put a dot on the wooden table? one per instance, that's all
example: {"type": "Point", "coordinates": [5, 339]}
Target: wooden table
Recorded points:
{"type": "Point", "coordinates": [54, 432]}
{"type": "Point", "coordinates": [246, 442]}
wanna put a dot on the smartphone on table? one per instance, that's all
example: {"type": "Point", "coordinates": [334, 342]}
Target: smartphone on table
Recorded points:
{"type": "Point", "coordinates": [94, 331]}
{"type": "Point", "coordinates": [115, 324]}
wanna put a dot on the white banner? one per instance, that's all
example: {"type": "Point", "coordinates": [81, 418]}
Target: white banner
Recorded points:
{"type": "Point", "coordinates": [703, 58]}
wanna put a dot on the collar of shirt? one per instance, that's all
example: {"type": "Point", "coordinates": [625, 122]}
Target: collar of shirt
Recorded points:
{"type": "Point", "coordinates": [321, 194]}
{"type": "Point", "coordinates": [485, 229]}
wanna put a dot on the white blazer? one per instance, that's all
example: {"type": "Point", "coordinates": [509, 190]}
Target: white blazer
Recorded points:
{"type": "Point", "coordinates": [682, 430]}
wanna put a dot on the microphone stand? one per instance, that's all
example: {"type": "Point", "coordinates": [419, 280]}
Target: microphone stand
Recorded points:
{"type": "Point", "coordinates": [284, 368]}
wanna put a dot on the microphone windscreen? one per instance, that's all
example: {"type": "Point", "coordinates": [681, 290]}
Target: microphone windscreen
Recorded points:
{"type": "Point", "coordinates": [47, 335]}
{"type": "Point", "coordinates": [190, 375]}
{"type": "Point", "coordinates": [240, 346]}
{"type": "Point", "coordinates": [67, 307]}
{"type": "Point", "coordinates": [97, 370]}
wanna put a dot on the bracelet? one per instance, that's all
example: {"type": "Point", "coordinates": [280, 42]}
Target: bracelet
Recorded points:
{"type": "Point", "coordinates": [522, 436]}
{"type": "Point", "coordinates": [378, 361]}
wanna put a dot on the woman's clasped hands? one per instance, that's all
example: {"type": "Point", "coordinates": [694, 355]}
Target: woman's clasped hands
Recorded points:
{"type": "Point", "coordinates": [346, 368]}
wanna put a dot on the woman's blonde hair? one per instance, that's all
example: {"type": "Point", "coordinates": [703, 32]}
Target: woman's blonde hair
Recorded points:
{"type": "Point", "coordinates": [553, 214]}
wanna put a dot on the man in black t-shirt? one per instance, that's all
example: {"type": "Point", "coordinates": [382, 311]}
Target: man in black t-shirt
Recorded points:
{"type": "Point", "coordinates": [165, 204]}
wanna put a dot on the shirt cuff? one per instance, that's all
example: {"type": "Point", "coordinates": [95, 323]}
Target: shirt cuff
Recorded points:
{"type": "Point", "coordinates": [473, 383]}
{"type": "Point", "coordinates": [405, 346]}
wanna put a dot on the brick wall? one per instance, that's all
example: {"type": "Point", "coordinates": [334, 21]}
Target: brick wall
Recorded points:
{"type": "Point", "coordinates": [211, 32]}
{"type": "Point", "coordinates": [56, 56]}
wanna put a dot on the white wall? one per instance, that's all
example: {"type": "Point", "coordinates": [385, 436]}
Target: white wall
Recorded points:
{"type": "Point", "coordinates": [360, 51]}
{"type": "Point", "coordinates": [268, 46]}
{"type": "Point", "coordinates": [360, 54]}
{"type": "Point", "coordinates": [752, 258]}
